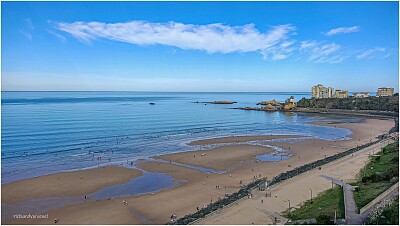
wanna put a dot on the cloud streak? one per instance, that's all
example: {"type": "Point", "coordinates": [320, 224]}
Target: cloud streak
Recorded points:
{"type": "Point", "coordinates": [304, 45]}
{"type": "Point", "coordinates": [370, 53]}
{"type": "Point", "coordinates": [279, 52]}
{"type": "Point", "coordinates": [340, 30]}
{"type": "Point", "coordinates": [275, 44]}
{"type": "Point", "coordinates": [57, 35]}
{"type": "Point", "coordinates": [28, 29]}
{"type": "Point", "coordinates": [328, 53]}
{"type": "Point", "coordinates": [212, 38]}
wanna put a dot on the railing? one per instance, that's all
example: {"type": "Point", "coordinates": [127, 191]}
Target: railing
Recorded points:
{"type": "Point", "coordinates": [212, 208]}
{"type": "Point", "coordinates": [218, 211]}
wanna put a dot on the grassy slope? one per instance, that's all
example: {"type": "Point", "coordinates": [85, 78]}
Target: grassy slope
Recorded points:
{"type": "Point", "coordinates": [326, 203]}
{"type": "Point", "coordinates": [376, 175]}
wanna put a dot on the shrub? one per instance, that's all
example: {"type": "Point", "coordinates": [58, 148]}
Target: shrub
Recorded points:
{"type": "Point", "coordinates": [324, 219]}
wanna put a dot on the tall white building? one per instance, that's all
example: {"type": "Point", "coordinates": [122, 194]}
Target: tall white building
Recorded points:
{"type": "Point", "coordinates": [319, 92]}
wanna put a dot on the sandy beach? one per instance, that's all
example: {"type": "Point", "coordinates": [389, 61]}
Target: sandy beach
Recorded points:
{"type": "Point", "coordinates": [196, 188]}
{"type": "Point", "coordinates": [220, 158]}
{"type": "Point", "coordinates": [72, 183]}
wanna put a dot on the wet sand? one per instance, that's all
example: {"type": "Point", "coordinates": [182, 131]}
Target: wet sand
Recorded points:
{"type": "Point", "coordinates": [81, 182]}
{"type": "Point", "coordinates": [198, 188]}
{"type": "Point", "coordinates": [220, 158]}
{"type": "Point", "coordinates": [237, 139]}
{"type": "Point", "coordinates": [104, 212]}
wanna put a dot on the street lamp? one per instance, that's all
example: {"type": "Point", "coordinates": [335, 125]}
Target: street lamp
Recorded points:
{"type": "Point", "coordinates": [289, 205]}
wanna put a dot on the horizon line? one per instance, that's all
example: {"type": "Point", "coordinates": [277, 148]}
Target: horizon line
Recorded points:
{"type": "Point", "coordinates": [170, 91]}
{"type": "Point", "coordinates": [155, 91]}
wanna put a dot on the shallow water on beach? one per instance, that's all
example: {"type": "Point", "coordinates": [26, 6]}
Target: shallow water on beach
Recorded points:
{"type": "Point", "coordinates": [148, 183]}
{"type": "Point", "coordinates": [145, 184]}
{"type": "Point", "coordinates": [48, 132]}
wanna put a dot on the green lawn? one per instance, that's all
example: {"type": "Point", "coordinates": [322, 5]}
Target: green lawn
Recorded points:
{"type": "Point", "coordinates": [368, 192]}
{"type": "Point", "coordinates": [377, 175]}
{"type": "Point", "coordinates": [326, 203]}
{"type": "Point", "coordinates": [388, 156]}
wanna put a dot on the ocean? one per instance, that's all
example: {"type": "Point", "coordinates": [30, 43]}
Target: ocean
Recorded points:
{"type": "Point", "coordinates": [48, 132]}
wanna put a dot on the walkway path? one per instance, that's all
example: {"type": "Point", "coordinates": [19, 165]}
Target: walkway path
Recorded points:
{"type": "Point", "coordinates": [352, 217]}
{"type": "Point", "coordinates": [337, 181]}
{"type": "Point", "coordinates": [296, 190]}
{"type": "Point", "coordinates": [349, 204]}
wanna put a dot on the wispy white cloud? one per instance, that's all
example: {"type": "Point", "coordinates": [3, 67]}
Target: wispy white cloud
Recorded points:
{"type": "Point", "coordinates": [308, 44]}
{"type": "Point", "coordinates": [27, 34]}
{"type": "Point", "coordinates": [389, 53]}
{"type": "Point", "coordinates": [57, 35]}
{"type": "Point", "coordinates": [29, 24]}
{"type": "Point", "coordinates": [279, 52]}
{"type": "Point", "coordinates": [275, 44]}
{"type": "Point", "coordinates": [342, 30]}
{"type": "Point", "coordinates": [212, 38]}
{"type": "Point", "coordinates": [27, 29]}
{"type": "Point", "coordinates": [324, 53]}
{"type": "Point", "coordinates": [370, 53]}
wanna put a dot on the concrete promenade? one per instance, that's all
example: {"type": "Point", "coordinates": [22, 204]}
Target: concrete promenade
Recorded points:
{"type": "Point", "coordinates": [291, 192]}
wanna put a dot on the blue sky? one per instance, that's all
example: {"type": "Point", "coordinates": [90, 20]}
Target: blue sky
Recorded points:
{"type": "Point", "coordinates": [199, 46]}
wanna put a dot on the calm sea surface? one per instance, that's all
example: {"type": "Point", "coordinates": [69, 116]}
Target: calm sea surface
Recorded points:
{"type": "Point", "coordinates": [47, 132]}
